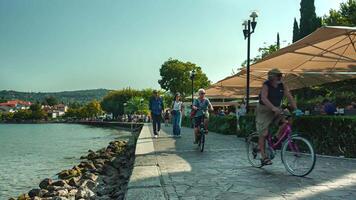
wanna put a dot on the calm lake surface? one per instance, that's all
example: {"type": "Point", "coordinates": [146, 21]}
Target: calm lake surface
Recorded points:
{"type": "Point", "coordinates": [31, 152]}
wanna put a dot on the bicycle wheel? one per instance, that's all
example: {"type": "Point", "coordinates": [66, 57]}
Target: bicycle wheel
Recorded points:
{"type": "Point", "coordinates": [202, 142]}
{"type": "Point", "coordinates": [253, 154]}
{"type": "Point", "coordinates": [298, 156]}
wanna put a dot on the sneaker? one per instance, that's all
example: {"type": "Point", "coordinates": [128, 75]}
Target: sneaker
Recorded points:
{"type": "Point", "coordinates": [156, 136]}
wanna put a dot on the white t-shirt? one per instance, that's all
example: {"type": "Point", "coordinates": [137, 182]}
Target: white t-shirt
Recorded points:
{"type": "Point", "coordinates": [177, 105]}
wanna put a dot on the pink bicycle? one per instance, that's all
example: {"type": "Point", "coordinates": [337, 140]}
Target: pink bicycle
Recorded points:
{"type": "Point", "coordinates": [297, 153]}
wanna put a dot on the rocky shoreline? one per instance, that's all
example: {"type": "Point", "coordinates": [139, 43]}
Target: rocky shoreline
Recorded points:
{"type": "Point", "coordinates": [101, 175]}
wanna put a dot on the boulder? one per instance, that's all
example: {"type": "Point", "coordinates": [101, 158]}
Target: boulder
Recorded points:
{"type": "Point", "coordinates": [60, 183]}
{"type": "Point", "coordinates": [42, 192]}
{"type": "Point", "coordinates": [84, 193]}
{"type": "Point", "coordinates": [90, 176]}
{"type": "Point", "coordinates": [62, 192]}
{"type": "Point", "coordinates": [66, 174]}
{"type": "Point", "coordinates": [87, 184]}
{"type": "Point", "coordinates": [34, 192]}
{"type": "Point", "coordinates": [59, 198]}
{"type": "Point", "coordinates": [24, 197]}
{"type": "Point", "coordinates": [45, 183]}
{"type": "Point", "coordinates": [72, 192]}
{"type": "Point", "coordinates": [73, 181]}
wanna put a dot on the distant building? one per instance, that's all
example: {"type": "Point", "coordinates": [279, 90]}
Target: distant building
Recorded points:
{"type": "Point", "coordinates": [14, 105]}
{"type": "Point", "coordinates": [56, 110]}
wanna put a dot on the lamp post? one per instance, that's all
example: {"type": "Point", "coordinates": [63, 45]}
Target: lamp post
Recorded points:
{"type": "Point", "coordinates": [192, 76]}
{"type": "Point", "coordinates": [249, 28]}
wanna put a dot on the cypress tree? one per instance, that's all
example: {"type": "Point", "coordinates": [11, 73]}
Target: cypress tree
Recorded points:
{"type": "Point", "coordinates": [308, 20]}
{"type": "Point", "coordinates": [278, 43]}
{"type": "Point", "coordinates": [295, 31]}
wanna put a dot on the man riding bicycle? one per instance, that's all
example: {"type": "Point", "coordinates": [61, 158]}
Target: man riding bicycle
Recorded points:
{"type": "Point", "coordinates": [201, 106]}
{"type": "Point", "coordinates": [269, 108]}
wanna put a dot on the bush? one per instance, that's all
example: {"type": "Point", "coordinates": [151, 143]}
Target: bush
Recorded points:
{"type": "Point", "coordinates": [330, 135]}
{"type": "Point", "coordinates": [225, 125]}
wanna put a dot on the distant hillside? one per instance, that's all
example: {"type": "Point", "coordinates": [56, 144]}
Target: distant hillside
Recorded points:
{"type": "Point", "coordinates": [80, 96]}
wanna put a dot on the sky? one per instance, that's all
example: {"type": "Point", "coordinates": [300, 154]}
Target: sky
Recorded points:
{"type": "Point", "coordinates": [62, 45]}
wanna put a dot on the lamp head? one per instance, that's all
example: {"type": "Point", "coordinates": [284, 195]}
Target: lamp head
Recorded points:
{"type": "Point", "coordinates": [254, 15]}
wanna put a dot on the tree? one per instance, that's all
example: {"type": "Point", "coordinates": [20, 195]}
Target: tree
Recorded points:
{"type": "Point", "coordinates": [22, 115]}
{"type": "Point", "coordinates": [137, 105]}
{"type": "Point", "coordinates": [175, 77]}
{"type": "Point", "coordinates": [93, 109]}
{"type": "Point", "coordinates": [278, 42]}
{"type": "Point", "coordinates": [309, 22]}
{"type": "Point", "coordinates": [51, 101]}
{"type": "Point", "coordinates": [114, 101]}
{"type": "Point", "coordinates": [36, 112]}
{"type": "Point", "coordinates": [296, 33]}
{"type": "Point", "coordinates": [346, 16]}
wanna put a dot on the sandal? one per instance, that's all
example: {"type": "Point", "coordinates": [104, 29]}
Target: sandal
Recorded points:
{"type": "Point", "coordinates": [266, 161]}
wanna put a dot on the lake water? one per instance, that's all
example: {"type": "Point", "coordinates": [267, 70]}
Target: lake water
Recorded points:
{"type": "Point", "coordinates": [31, 152]}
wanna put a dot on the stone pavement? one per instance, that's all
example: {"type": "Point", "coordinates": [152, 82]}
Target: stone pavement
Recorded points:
{"type": "Point", "coordinates": [169, 168]}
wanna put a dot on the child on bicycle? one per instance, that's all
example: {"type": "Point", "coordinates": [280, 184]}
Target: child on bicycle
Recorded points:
{"type": "Point", "coordinates": [269, 108]}
{"type": "Point", "coordinates": [201, 106]}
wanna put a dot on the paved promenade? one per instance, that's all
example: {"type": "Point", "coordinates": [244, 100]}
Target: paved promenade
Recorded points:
{"type": "Point", "coordinates": [169, 168]}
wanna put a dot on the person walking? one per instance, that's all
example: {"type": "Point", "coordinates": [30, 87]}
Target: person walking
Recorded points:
{"type": "Point", "coordinates": [166, 117]}
{"type": "Point", "coordinates": [156, 107]}
{"type": "Point", "coordinates": [177, 115]}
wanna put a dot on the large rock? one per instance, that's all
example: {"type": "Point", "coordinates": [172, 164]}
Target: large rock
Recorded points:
{"type": "Point", "coordinates": [59, 198]}
{"type": "Point", "coordinates": [60, 183]}
{"type": "Point", "coordinates": [45, 183]}
{"type": "Point", "coordinates": [84, 193]}
{"type": "Point", "coordinates": [34, 192]}
{"type": "Point", "coordinates": [90, 176]}
{"type": "Point", "coordinates": [72, 192]}
{"type": "Point", "coordinates": [24, 197]}
{"type": "Point", "coordinates": [87, 165]}
{"type": "Point", "coordinates": [67, 174]}
{"type": "Point", "coordinates": [62, 192]}
{"type": "Point", "coordinates": [73, 181]}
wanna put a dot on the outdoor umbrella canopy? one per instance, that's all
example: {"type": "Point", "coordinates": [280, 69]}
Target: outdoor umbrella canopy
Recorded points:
{"type": "Point", "coordinates": [217, 92]}
{"type": "Point", "coordinates": [328, 50]}
{"type": "Point", "coordinates": [326, 55]}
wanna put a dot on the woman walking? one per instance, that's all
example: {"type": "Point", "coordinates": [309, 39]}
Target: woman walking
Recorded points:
{"type": "Point", "coordinates": [177, 115]}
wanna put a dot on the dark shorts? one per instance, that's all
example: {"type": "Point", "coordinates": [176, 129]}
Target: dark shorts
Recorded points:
{"type": "Point", "coordinates": [198, 121]}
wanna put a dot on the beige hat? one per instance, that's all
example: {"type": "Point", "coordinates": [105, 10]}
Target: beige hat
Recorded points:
{"type": "Point", "coordinates": [274, 72]}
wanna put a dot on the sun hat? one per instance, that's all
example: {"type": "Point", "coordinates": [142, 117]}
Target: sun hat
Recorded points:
{"type": "Point", "coordinates": [274, 72]}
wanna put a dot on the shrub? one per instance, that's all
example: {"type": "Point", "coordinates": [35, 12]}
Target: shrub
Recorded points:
{"type": "Point", "coordinates": [330, 135]}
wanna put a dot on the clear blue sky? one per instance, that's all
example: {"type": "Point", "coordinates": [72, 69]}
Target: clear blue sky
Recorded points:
{"type": "Point", "coordinates": [84, 44]}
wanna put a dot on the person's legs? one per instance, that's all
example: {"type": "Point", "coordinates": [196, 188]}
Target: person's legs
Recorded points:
{"type": "Point", "coordinates": [206, 123]}
{"type": "Point", "coordinates": [179, 118]}
{"type": "Point", "coordinates": [261, 143]}
{"type": "Point", "coordinates": [174, 125]}
{"type": "Point", "coordinates": [159, 118]}
{"type": "Point", "coordinates": [197, 122]}
{"type": "Point", "coordinates": [154, 123]}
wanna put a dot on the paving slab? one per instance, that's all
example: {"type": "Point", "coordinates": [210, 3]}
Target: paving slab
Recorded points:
{"type": "Point", "coordinates": [223, 172]}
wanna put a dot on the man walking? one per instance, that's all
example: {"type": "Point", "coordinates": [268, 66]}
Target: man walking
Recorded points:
{"type": "Point", "coordinates": [156, 108]}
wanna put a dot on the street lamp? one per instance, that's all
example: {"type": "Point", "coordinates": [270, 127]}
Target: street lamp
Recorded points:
{"type": "Point", "coordinates": [249, 28]}
{"type": "Point", "coordinates": [192, 76]}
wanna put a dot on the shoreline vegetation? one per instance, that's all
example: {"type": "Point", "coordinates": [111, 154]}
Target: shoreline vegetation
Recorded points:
{"type": "Point", "coordinates": [101, 174]}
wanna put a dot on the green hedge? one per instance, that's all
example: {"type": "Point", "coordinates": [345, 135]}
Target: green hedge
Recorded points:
{"type": "Point", "coordinates": [330, 135]}
{"type": "Point", "coordinates": [224, 125]}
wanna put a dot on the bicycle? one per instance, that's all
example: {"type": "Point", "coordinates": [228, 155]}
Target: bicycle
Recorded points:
{"type": "Point", "coordinates": [201, 135]}
{"type": "Point", "coordinates": [293, 147]}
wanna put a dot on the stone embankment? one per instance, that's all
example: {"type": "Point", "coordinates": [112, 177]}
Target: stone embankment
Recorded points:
{"type": "Point", "coordinates": [101, 175]}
